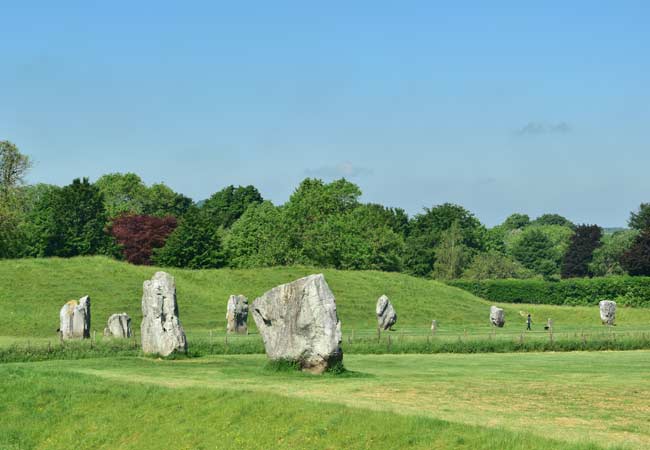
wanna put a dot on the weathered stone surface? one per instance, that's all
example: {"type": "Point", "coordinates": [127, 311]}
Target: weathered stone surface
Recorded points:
{"type": "Point", "coordinates": [118, 326]}
{"type": "Point", "coordinates": [298, 322]}
{"type": "Point", "coordinates": [607, 312]}
{"type": "Point", "coordinates": [497, 316]}
{"type": "Point", "coordinates": [161, 330]}
{"type": "Point", "coordinates": [434, 326]}
{"type": "Point", "coordinates": [386, 315]}
{"type": "Point", "coordinates": [237, 315]}
{"type": "Point", "coordinates": [74, 319]}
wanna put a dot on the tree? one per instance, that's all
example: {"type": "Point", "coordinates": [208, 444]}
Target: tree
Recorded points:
{"type": "Point", "coordinates": [73, 221]}
{"type": "Point", "coordinates": [640, 220]}
{"type": "Point", "coordinates": [138, 235]}
{"type": "Point", "coordinates": [124, 193]}
{"type": "Point", "coordinates": [162, 201]}
{"type": "Point", "coordinates": [493, 265]}
{"type": "Point", "coordinates": [229, 204]}
{"type": "Point", "coordinates": [451, 254]}
{"type": "Point", "coordinates": [516, 221]}
{"type": "Point", "coordinates": [534, 250]}
{"type": "Point", "coordinates": [585, 239]}
{"type": "Point", "coordinates": [636, 260]}
{"type": "Point", "coordinates": [13, 168]}
{"type": "Point", "coordinates": [553, 219]}
{"type": "Point", "coordinates": [607, 257]}
{"type": "Point", "coordinates": [425, 232]}
{"type": "Point", "coordinates": [260, 238]}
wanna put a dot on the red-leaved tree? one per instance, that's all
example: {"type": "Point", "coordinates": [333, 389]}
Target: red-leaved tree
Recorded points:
{"type": "Point", "coordinates": [138, 235]}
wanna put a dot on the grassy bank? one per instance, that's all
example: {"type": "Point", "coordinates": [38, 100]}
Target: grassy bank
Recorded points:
{"type": "Point", "coordinates": [32, 292]}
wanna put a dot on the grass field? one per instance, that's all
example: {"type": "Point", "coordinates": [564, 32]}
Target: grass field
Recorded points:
{"type": "Point", "coordinates": [33, 290]}
{"type": "Point", "coordinates": [498, 401]}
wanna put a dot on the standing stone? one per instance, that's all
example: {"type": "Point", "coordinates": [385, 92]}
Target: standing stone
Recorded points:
{"type": "Point", "coordinates": [607, 312]}
{"type": "Point", "coordinates": [434, 326]}
{"type": "Point", "coordinates": [386, 315]}
{"type": "Point", "coordinates": [497, 316]}
{"type": "Point", "coordinates": [162, 332]}
{"type": "Point", "coordinates": [549, 324]}
{"type": "Point", "coordinates": [75, 319]}
{"type": "Point", "coordinates": [119, 326]}
{"type": "Point", "coordinates": [298, 322]}
{"type": "Point", "coordinates": [237, 315]}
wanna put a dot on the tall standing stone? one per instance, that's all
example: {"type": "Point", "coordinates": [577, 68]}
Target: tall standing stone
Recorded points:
{"type": "Point", "coordinates": [607, 312]}
{"type": "Point", "coordinates": [118, 326]}
{"type": "Point", "coordinates": [74, 319]}
{"type": "Point", "coordinates": [497, 316]}
{"type": "Point", "coordinates": [161, 330]}
{"type": "Point", "coordinates": [298, 322]}
{"type": "Point", "coordinates": [237, 315]}
{"type": "Point", "coordinates": [386, 315]}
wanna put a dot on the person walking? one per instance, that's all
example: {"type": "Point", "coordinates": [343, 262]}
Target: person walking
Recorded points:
{"type": "Point", "coordinates": [529, 320]}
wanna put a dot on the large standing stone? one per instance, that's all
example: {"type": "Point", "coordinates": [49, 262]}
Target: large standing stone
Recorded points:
{"type": "Point", "coordinates": [161, 330]}
{"type": "Point", "coordinates": [75, 319]}
{"type": "Point", "coordinates": [386, 315]}
{"type": "Point", "coordinates": [298, 322]}
{"type": "Point", "coordinates": [237, 315]}
{"type": "Point", "coordinates": [607, 312]}
{"type": "Point", "coordinates": [497, 316]}
{"type": "Point", "coordinates": [119, 326]}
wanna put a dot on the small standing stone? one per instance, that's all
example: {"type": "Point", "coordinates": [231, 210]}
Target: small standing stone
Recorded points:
{"type": "Point", "coordinates": [118, 326]}
{"type": "Point", "coordinates": [434, 326]}
{"type": "Point", "coordinates": [607, 312]}
{"type": "Point", "coordinates": [74, 319]}
{"type": "Point", "coordinates": [161, 329]}
{"type": "Point", "coordinates": [237, 315]}
{"type": "Point", "coordinates": [497, 316]}
{"type": "Point", "coordinates": [386, 315]}
{"type": "Point", "coordinates": [549, 324]}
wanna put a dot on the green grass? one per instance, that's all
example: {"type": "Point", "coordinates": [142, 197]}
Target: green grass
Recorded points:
{"type": "Point", "coordinates": [490, 401]}
{"type": "Point", "coordinates": [33, 290]}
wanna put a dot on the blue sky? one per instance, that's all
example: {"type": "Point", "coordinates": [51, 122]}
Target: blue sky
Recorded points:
{"type": "Point", "coordinates": [506, 107]}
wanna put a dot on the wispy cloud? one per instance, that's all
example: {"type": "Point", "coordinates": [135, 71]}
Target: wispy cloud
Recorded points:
{"type": "Point", "coordinates": [345, 169]}
{"type": "Point", "coordinates": [539, 128]}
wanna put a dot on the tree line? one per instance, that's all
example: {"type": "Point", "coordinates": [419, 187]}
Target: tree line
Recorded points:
{"type": "Point", "coordinates": [322, 224]}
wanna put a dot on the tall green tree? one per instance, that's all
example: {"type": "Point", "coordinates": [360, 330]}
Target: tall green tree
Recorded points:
{"type": "Point", "coordinates": [451, 254]}
{"type": "Point", "coordinates": [553, 219]}
{"type": "Point", "coordinates": [425, 233]}
{"type": "Point", "coordinates": [195, 244]}
{"type": "Point", "coordinates": [13, 168]}
{"type": "Point", "coordinates": [124, 193]}
{"type": "Point", "coordinates": [260, 238]}
{"type": "Point", "coordinates": [585, 239]}
{"type": "Point", "coordinates": [163, 201]}
{"type": "Point", "coordinates": [607, 257]}
{"type": "Point", "coordinates": [74, 222]}
{"type": "Point", "coordinates": [636, 260]}
{"type": "Point", "coordinates": [229, 204]}
{"type": "Point", "coordinates": [534, 250]}
{"type": "Point", "coordinates": [640, 220]}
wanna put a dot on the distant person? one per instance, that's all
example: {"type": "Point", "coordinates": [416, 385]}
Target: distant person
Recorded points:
{"type": "Point", "coordinates": [529, 321]}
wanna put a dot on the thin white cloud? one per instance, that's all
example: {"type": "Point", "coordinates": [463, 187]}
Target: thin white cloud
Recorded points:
{"type": "Point", "coordinates": [540, 128]}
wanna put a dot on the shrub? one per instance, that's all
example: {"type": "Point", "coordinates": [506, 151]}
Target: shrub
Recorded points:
{"type": "Point", "coordinates": [629, 291]}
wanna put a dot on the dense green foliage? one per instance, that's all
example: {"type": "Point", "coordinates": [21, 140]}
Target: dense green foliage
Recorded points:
{"type": "Point", "coordinates": [584, 241]}
{"type": "Point", "coordinates": [322, 224]}
{"type": "Point", "coordinates": [636, 260]}
{"type": "Point", "coordinates": [625, 290]}
{"type": "Point", "coordinates": [195, 244]}
{"type": "Point", "coordinates": [640, 220]}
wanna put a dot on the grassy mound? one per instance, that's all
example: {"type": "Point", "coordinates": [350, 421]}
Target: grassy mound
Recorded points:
{"type": "Point", "coordinates": [32, 292]}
